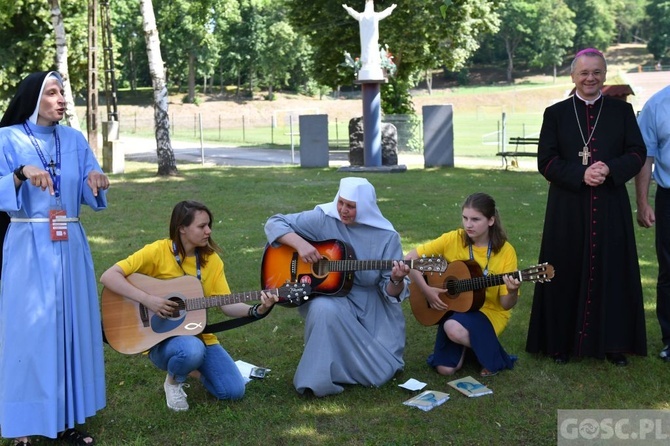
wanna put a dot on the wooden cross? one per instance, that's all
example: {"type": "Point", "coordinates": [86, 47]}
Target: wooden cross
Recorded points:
{"type": "Point", "coordinates": [585, 154]}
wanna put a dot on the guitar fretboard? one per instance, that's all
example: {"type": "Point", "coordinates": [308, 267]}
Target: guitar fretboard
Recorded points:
{"type": "Point", "coordinates": [200, 303]}
{"type": "Point", "coordinates": [477, 283]}
{"type": "Point", "coordinates": [423, 264]}
{"type": "Point", "coordinates": [359, 265]}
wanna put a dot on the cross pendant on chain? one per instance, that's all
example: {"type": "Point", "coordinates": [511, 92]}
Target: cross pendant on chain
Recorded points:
{"type": "Point", "coordinates": [585, 154]}
{"type": "Point", "coordinates": [52, 167]}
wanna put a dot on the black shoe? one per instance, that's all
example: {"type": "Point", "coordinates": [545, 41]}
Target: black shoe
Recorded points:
{"type": "Point", "coordinates": [617, 359]}
{"type": "Point", "coordinates": [561, 358]}
{"type": "Point", "coordinates": [665, 353]}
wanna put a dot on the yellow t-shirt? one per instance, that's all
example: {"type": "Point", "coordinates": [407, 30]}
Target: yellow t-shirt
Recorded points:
{"type": "Point", "coordinates": [450, 246]}
{"type": "Point", "coordinates": [157, 260]}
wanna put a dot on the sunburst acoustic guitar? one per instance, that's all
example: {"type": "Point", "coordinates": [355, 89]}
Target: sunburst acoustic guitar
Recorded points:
{"type": "Point", "coordinates": [131, 328]}
{"type": "Point", "coordinates": [465, 287]}
{"type": "Point", "coordinates": [333, 275]}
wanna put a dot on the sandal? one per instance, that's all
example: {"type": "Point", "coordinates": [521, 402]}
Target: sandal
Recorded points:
{"type": "Point", "coordinates": [22, 443]}
{"type": "Point", "coordinates": [76, 437]}
{"type": "Point", "coordinates": [485, 373]}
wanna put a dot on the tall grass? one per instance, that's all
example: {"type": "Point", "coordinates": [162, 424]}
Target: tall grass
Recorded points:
{"type": "Point", "coordinates": [422, 203]}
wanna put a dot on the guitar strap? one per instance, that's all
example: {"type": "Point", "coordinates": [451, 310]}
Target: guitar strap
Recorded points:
{"type": "Point", "coordinates": [219, 326]}
{"type": "Point", "coordinates": [228, 324]}
{"type": "Point", "coordinates": [232, 323]}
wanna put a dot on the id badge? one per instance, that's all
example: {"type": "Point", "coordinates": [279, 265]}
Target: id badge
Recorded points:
{"type": "Point", "coordinates": [57, 225]}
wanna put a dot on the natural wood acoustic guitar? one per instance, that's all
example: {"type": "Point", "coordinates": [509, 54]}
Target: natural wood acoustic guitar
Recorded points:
{"type": "Point", "coordinates": [131, 328]}
{"type": "Point", "coordinates": [465, 287]}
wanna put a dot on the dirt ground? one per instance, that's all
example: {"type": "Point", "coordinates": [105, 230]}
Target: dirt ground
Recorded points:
{"type": "Point", "coordinates": [523, 97]}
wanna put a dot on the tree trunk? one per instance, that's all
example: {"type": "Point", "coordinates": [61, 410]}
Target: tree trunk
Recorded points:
{"type": "Point", "coordinates": [166, 160]}
{"type": "Point", "coordinates": [191, 79]}
{"type": "Point", "coordinates": [429, 81]}
{"type": "Point", "coordinates": [555, 73]}
{"type": "Point", "coordinates": [509, 47]}
{"type": "Point", "coordinates": [61, 63]}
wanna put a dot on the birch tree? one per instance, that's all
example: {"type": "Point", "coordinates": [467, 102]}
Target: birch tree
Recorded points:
{"type": "Point", "coordinates": [61, 62]}
{"type": "Point", "coordinates": [166, 160]}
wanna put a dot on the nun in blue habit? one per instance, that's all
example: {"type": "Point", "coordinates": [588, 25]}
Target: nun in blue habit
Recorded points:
{"type": "Point", "coordinates": [51, 355]}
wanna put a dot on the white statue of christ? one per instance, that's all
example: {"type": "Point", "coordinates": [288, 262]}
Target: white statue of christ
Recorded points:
{"type": "Point", "coordinates": [368, 21]}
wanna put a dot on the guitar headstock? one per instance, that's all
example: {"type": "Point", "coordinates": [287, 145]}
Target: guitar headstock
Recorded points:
{"type": "Point", "coordinates": [543, 272]}
{"type": "Point", "coordinates": [294, 293]}
{"type": "Point", "coordinates": [429, 264]}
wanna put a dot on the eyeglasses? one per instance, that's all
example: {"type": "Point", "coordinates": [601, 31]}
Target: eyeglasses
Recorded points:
{"type": "Point", "coordinates": [595, 73]}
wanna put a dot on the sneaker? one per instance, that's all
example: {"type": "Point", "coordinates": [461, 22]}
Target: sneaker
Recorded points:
{"type": "Point", "coordinates": [175, 396]}
{"type": "Point", "coordinates": [665, 353]}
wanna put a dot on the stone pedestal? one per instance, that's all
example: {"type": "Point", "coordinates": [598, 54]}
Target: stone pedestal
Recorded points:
{"type": "Point", "coordinates": [371, 123]}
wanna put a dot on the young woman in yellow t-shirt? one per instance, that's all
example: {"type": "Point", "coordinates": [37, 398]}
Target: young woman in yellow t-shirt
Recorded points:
{"type": "Point", "coordinates": [483, 240]}
{"type": "Point", "coordinates": [189, 250]}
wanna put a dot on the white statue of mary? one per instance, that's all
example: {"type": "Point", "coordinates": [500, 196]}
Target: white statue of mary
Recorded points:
{"type": "Point", "coordinates": [368, 21]}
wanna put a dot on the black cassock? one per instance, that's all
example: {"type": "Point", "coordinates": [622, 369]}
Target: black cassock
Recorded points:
{"type": "Point", "coordinates": [594, 303]}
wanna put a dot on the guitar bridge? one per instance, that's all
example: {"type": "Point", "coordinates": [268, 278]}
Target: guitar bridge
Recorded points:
{"type": "Point", "coordinates": [294, 268]}
{"type": "Point", "coordinates": [144, 315]}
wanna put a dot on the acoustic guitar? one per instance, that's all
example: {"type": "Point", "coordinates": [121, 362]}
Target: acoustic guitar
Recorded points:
{"type": "Point", "coordinates": [465, 287]}
{"type": "Point", "coordinates": [333, 275]}
{"type": "Point", "coordinates": [132, 328]}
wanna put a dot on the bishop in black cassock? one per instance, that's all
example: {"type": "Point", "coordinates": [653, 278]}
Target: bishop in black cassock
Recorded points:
{"type": "Point", "coordinates": [590, 146]}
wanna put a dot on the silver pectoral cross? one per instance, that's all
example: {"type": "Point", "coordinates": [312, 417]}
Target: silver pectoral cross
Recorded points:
{"type": "Point", "coordinates": [585, 154]}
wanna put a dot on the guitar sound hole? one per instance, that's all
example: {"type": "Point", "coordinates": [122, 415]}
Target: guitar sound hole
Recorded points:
{"type": "Point", "coordinates": [320, 268]}
{"type": "Point", "coordinates": [451, 287]}
{"type": "Point", "coordinates": [179, 310]}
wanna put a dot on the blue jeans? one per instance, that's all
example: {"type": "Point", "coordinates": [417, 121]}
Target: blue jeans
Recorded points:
{"type": "Point", "coordinates": [181, 355]}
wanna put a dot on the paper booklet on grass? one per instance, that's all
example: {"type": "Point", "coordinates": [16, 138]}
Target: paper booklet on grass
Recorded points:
{"type": "Point", "coordinates": [470, 387]}
{"type": "Point", "coordinates": [427, 400]}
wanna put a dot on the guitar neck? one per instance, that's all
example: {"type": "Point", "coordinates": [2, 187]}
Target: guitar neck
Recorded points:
{"type": "Point", "coordinates": [477, 283]}
{"type": "Point", "coordinates": [361, 265]}
{"type": "Point", "coordinates": [201, 303]}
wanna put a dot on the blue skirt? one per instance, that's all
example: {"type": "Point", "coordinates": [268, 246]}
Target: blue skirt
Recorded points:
{"type": "Point", "coordinates": [485, 344]}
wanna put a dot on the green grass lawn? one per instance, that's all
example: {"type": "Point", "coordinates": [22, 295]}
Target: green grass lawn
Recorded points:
{"type": "Point", "coordinates": [422, 204]}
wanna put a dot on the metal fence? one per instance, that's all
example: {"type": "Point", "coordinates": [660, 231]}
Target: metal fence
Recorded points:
{"type": "Point", "coordinates": [281, 129]}
{"type": "Point", "coordinates": [476, 133]}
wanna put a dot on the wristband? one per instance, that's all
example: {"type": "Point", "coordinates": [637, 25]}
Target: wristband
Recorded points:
{"type": "Point", "coordinates": [253, 312]}
{"type": "Point", "coordinates": [396, 282]}
{"type": "Point", "coordinates": [19, 173]}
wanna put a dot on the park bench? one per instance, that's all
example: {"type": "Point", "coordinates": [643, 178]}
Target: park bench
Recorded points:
{"type": "Point", "coordinates": [519, 150]}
